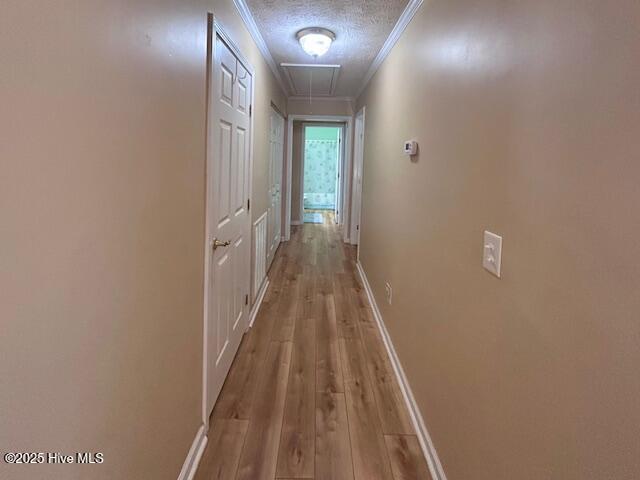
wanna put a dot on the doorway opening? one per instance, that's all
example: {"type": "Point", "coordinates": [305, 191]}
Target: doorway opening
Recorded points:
{"type": "Point", "coordinates": [294, 179]}
{"type": "Point", "coordinates": [321, 172]}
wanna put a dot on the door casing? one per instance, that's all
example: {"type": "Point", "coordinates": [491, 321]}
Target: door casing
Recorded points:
{"type": "Point", "coordinates": [341, 173]}
{"type": "Point", "coordinates": [358, 165]}
{"type": "Point", "coordinates": [345, 173]}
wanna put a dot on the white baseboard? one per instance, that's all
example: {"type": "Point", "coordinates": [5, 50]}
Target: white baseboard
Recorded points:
{"type": "Point", "coordinates": [190, 465]}
{"type": "Point", "coordinates": [256, 306]}
{"type": "Point", "coordinates": [429, 451]}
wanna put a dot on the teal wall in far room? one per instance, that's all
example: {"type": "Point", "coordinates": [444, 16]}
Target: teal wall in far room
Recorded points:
{"type": "Point", "coordinates": [320, 167]}
{"type": "Point", "coordinates": [322, 133]}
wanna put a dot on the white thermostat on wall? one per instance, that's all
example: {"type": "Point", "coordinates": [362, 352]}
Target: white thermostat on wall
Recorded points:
{"type": "Point", "coordinates": [410, 147]}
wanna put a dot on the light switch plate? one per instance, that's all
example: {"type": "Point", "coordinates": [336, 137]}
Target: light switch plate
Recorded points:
{"type": "Point", "coordinates": [492, 253]}
{"type": "Point", "coordinates": [388, 292]}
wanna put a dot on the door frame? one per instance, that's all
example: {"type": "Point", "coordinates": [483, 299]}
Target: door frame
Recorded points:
{"type": "Point", "coordinates": [346, 166]}
{"type": "Point", "coordinates": [340, 126]}
{"type": "Point", "coordinates": [215, 28]}
{"type": "Point", "coordinates": [358, 165]}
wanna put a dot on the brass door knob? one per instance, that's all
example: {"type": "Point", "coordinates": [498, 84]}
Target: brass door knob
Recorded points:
{"type": "Point", "coordinates": [217, 243]}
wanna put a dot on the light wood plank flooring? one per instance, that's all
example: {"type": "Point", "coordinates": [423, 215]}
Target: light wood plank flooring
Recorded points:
{"type": "Point", "coordinates": [311, 393]}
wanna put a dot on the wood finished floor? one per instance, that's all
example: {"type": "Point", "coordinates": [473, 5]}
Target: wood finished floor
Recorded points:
{"type": "Point", "coordinates": [311, 393]}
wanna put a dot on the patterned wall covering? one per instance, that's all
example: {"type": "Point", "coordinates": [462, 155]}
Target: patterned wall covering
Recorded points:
{"type": "Point", "coordinates": [320, 165]}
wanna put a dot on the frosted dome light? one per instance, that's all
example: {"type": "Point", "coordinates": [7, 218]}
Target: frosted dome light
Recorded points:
{"type": "Point", "coordinates": [315, 41]}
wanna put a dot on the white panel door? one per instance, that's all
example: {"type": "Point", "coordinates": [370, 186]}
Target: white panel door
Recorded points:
{"type": "Point", "coordinates": [228, 222]}
{"type": "Point", "coordinates": [276, 159]}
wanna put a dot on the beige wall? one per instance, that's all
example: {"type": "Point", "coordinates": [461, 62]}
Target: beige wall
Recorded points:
{"type": "Point", "coordinates": [102, 135]}
{"type": "Point", "coordinates": [528, 119]}
{"type": "Point", "coordinates": [323, 106]}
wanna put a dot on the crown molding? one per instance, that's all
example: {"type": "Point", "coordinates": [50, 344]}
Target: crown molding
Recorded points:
{"type": "Point", "coordinates": [252, 26]}
{"type": "Point", "coordinates": [394, 36]}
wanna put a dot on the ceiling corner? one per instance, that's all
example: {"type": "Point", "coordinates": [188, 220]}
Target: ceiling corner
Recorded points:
{"type": "Point", "coordinates": [400, 26]}
{"type": "Point", "coordinates": [250, 23]}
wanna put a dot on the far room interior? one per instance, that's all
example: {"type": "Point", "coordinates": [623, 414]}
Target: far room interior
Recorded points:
{"type": "Point", "coordinates": [321, 172]}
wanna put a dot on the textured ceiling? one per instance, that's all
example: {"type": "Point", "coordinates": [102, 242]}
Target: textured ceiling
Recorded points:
{"type": "Point", "coordinates": [361, 28]}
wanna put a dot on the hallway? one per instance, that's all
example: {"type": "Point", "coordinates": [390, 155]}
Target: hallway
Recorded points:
{"type": "Point", "coordinates": [311, 393]}
{"type": "Point", "coordinates": [331, 240]}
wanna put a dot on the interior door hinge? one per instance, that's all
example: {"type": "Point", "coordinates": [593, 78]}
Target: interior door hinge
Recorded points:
{"type": "Point", "coordinates": [250, 110]}
{"type": "Point", "coordinates": [248, 204]}
{"type": "Point", "coordinates": [246, 299]}
{"type": "Point", "coordinates": [357, 227]}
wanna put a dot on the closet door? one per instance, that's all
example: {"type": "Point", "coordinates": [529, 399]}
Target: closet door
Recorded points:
{"type": "Point", "coordinates": [276, 159]}
{"type": "Point", "coordinates": [228, 222]}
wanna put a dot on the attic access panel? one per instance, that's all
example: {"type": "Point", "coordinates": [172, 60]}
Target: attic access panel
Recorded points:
{"type": "Point", "coordinates": [311, 79]}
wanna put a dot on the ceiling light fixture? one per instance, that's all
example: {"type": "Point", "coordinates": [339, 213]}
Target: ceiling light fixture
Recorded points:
{"type": "Point", "coordinates": [315, 41]}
